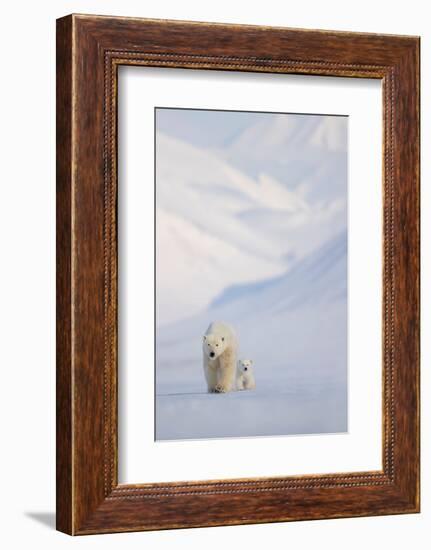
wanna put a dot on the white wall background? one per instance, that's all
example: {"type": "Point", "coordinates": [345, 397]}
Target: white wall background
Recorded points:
{"type": "Point", "coordinates": [27, 280]}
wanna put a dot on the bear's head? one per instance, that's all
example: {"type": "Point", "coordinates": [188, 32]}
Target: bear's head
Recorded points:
{"type": "Point", "coordinates": [245, 365]}
{"type": "Point", "coordinates": [214, 345]}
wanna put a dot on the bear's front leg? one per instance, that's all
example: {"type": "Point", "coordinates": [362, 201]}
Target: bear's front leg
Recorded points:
{"type": "Point", "coordinates": [211, 376]}
{"type": "Point", "coordinates": [226, 372]}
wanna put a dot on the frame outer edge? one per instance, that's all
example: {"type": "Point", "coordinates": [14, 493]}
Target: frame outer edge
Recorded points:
{"type": "Point", "coordinates": [64, 301]}
{"type": "Point", "coordinates": [407, 281]}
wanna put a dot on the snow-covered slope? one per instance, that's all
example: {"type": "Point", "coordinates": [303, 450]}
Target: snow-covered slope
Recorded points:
{"type": "Point", "coordinates": [279, 320]}
{"type": "Point", "coordinates": [320, 278]}
{"type": "Point", "coordinates": [306, 153]}
{"type": "Point", "coordinates": [196, 185]}
{"type": "Point", "coordinates": [218, 225]}
{"type": "Point", "coordinates": [200, 235]}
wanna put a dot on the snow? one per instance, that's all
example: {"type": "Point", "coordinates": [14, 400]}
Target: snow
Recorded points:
{"type": "Point", "coordinates": [253, 233]}
{"type": "Point", "coordinates": [217, 225]}
{"type": "Point", "coordinates": [294, 327]}
{"type": "Point", "coordinates": [270, 410]}
{"type": "Point", "coordinates": [190, 256]}
{"type": "Point", "coordinates": [199, 231]}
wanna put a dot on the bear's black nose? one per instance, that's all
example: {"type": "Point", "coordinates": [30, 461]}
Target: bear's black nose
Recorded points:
{"type": "Point", "coordinates": [212, 354]}
{"type": "Point", "coordinates": [245, 368]}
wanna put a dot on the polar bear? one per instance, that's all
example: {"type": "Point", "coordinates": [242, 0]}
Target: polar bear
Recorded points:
{"type": "Point", "coordinates": [219, 357]}
{"type": "Point", "coordinates": [245, 375]}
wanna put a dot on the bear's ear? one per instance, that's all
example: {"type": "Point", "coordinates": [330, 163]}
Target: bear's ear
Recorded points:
{"type": "Point", "coordinates": [205, 338]}
{"type": "Point", "coordinates": [251, 362]}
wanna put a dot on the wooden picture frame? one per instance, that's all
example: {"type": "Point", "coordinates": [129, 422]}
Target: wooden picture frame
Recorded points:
{"type": "Point", "coordinates": [89, 51]}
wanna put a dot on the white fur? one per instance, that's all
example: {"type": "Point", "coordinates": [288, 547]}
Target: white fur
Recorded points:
{"type": "Point", "coordinates": [219, 357]}
{"type": "Point", "coordinates": [245, 375]}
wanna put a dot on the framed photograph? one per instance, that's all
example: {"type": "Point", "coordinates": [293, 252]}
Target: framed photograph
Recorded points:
{"type": "Point", "coordinates": [237, 274]}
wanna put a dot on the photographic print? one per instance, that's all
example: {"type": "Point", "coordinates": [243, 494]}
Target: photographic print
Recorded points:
{"type": "Point", "coordinates": [251, 273]}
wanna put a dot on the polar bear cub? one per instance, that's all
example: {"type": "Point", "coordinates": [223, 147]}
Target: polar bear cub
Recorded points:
{"type": "Point", "coordinates": [219, 357]}
{"type": "Point", "coordinates": [245, 375]}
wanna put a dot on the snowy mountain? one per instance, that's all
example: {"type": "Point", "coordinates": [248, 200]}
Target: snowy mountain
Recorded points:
{"type": "Point", "coordinates": [305, 153]}
{"type": "Point", "coordinates": [299, 317]}
{"type": "Point", "coordinates": [321, 278]}
{"type": "Point", "coordinates": [218, 225]}
{"type": "Point", "coordinates": [199, 232]}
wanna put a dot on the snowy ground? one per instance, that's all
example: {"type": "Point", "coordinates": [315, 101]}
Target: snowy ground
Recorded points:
{"type": "Point", "coordinates": [284, 408]}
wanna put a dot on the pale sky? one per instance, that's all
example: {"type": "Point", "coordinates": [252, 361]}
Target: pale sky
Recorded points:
{"type": "Point", "coordinates": [204, 128]}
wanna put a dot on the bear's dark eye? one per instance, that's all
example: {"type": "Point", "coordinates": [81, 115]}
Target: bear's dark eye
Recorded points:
{"type": "Point", "coordinates": [216, 345]}
{"type": "Point", "coordinates": [222, 339]}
